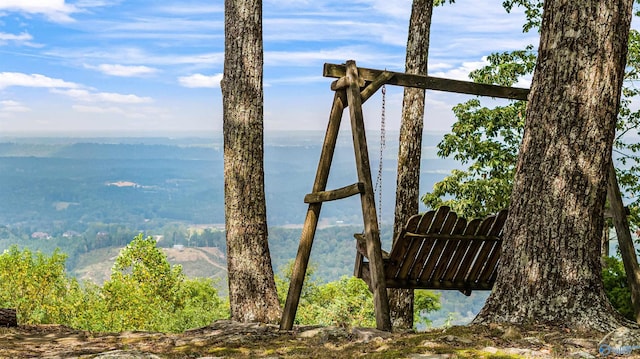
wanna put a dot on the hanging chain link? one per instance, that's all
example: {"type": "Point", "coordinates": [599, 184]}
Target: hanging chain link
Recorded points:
{"type": "Point", "coordinates": [378, 186]}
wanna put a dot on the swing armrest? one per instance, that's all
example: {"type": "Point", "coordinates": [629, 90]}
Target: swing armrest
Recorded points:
{"type": "Point", "coordinates": [361, 246]}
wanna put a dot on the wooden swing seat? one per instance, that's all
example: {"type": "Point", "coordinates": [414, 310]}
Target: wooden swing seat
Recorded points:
{"type": "Point", "coordinates": [439, 250]}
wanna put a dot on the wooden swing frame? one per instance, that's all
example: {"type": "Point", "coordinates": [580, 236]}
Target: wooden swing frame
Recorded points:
{"type": "Point", "coordinates": [353, 87]}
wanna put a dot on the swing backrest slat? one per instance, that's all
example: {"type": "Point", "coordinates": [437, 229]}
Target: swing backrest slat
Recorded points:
{"type": "Point", "coordinates": [439, 250]}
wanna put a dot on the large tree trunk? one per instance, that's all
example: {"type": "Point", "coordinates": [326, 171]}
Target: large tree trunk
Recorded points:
{"type": "Point", "coordinates": [550, 267]}
{"type": "Point", "coordinates": [410, 147]}
{"type": "Point", "coordinates": [252, 290]}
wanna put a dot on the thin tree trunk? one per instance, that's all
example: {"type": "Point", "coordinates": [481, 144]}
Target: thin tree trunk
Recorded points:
{"type": "Point", "coordinates": [550, 267]}
{"type": "Point", "coordinates": [252, 290]}
{"type": "Point", "coordinates": [410, 147]}
{"type": "Point", "coordinates": [625, 242]}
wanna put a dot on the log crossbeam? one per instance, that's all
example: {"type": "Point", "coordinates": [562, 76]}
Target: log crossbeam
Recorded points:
{"type": "Point", "coordinates": [369, 88]}
{"type": "Point", "coordinates": [340, 193]}
{"type": "Point", "coordinates": [429, 83]}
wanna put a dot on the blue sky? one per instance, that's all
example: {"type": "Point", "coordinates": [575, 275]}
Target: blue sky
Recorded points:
{"type": "Point", "coordinates": [145, 66]}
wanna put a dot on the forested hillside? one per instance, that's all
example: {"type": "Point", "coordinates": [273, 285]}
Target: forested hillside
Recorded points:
{"type": "Point", "coordinates": [91, 196]}
{"type": "Point", "coordinates": [146, 183]}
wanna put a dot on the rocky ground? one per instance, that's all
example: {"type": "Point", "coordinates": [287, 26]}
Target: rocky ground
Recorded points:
{"type": "Point", "coordinates": [228, 339]}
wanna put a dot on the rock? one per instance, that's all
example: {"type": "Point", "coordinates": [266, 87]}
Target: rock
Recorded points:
{"type": "Point", "coordinates": [622, 341]}
{"type": "Point", "coordinates": [124, 354]}
{"type": "Point", "coordinates": [496, 327]}
{"type": "Point", "coordinates": [582, 354]}
{"type": "Point", "coordinates": [365, 335]}
{"type": "Point", "coordinates": [533, 340]}
{"type": "Point", "coordinates": [429, 344]}
{"type": "Point", "coordinates": [310, 333]}
{"type": "Point", "coordinates": [518, 351]}
{"type": "Point", "coordinates": [325, 334]}
{"type": "Point", "coordinates": [623, 338]}
{"type": "Point", "coordinates": [512, 333]}
{"type": "Point", "coordinates": [456, 340]}
{"type": "Point", "coordinates": [490, 350]}
{"type": "Point", "coordinates": [581, 343]}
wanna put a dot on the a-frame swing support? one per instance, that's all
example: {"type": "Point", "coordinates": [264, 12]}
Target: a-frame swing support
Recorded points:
{"type": "Point", "coordinates": [353, 87]}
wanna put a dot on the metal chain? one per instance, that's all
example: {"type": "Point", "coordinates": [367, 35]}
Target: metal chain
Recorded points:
{"type": "Point", "coordinates": [378, 186]}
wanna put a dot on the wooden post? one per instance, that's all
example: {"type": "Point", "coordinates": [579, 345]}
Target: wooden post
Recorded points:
{"type": "Point", "coordinates": [371, 230]}
{"type": "Point", "coordinates": [317, 196]}
{"type": "Point", "coordinates": [625, 242]}
{"type": "Point", "coordinates": [8, 317]}
{"type": "Point", "coordinates": [313, 213]}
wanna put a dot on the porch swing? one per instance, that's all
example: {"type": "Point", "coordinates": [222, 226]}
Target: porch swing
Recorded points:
{"type": "Point", "coordinates": [435, 250]}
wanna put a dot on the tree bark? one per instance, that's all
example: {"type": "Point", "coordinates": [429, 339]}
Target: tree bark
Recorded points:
{"type": "Point", "coordinates": [550, 267]}
{"type": "Point", "coordinates": [8, 317]}
{"type": "Point", "coordinates": [252, 290]}
{"type": "Point", "coordinates": [410, 147]}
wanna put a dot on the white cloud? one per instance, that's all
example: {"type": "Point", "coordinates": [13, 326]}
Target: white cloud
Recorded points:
{"type": "Point", "coordinates": [4, 37]}
{"type": "Point", "coordinates": [439, 66]}
{"type": "Point", "coordinates": [365, 56]}
{"type": "Point", "coordinates": [96, 3]}
{"type": "Point", "coordinates": [9, 79]}
{"type": "Point", "coordinates": [400, 9]}
{"type": "Point", "coordinates": [136, 56]}
{"type": "Point", "coordinates": [191, 9]}
{"type": "Point", "coordinates": [86, 96]}
{"type": "Point", "coordinates": [288, 3]}
{"type": "Point", "coordinates": [165, 24]}
{"type": "Point", "coordinates": [199, 80]}
{"type": "Point", "coordinates": [123, 70]}
{"type": "Point", "coordinates": [332, 30]}
{"type": "Point", "coordinates": [296, 80]}
{"type": "Point", "coordinates": [54, 10]}
{"type": "Point", "coordinates": [130, 112]}
{"type": "Point", "coordinates": [461, 72]}
{"type": "Point", "coordinates": [13, 106]}
{"type": "Point", "coordinates": [524, 82]}
{"type": "Point", "coordinates": [98, 109]}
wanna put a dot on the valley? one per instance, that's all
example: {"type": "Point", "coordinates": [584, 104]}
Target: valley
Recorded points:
{"type": "Point", "coordinates": [89, 196]}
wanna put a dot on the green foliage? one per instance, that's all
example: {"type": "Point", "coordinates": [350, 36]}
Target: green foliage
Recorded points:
{"type": "Point", "coordinates": [487, 140]}
{"type": "Point", "coordinates": [144, 293]}
{"type": "Point", "coordinates": [616, 286]}
{"type": "Point", "coordinates": [347, 302]}
{"type": "Point", "coordinates": [36, 285]}
{"type": "Point", "coordinates": [144, 265]}
{"type": "Point", "coordinates": [442, 2]}
{"type": "Point", "coordinates": [506, 68]}
{"type": "Point", "coordinates": [424, 302]}
{"type": "Point", "coordinates": [532, 10]}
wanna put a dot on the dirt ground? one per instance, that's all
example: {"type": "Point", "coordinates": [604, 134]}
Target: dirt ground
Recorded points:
{"type": "Point", "coordinates": [235, 340]}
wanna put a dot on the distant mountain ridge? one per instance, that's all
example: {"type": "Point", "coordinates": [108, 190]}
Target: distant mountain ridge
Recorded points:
{"type": "Point", "coordinates": [180, 179]}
